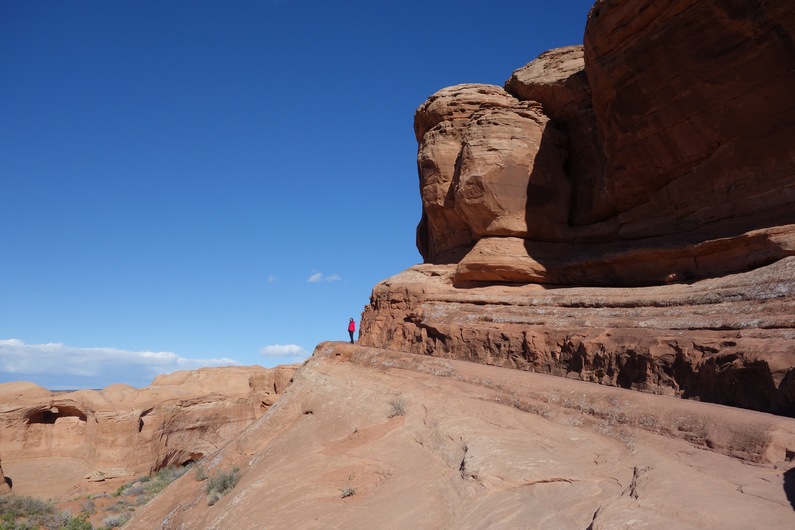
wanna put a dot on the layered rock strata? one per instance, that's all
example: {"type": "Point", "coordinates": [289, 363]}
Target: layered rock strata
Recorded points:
{"type": "Point", "coordinates": [121, 430]}
{"type": "Point", "coordinates": [620, 212]}
{"type": "Point", "coordinates": [728, 340]}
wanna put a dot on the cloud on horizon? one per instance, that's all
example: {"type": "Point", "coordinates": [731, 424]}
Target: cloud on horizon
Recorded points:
{"type": "Point", "coordinates": [320, 277]}
{"type": "Point", "coordinates": [76, 367]}
{"type": "Point", "coordinates": [284, 350]}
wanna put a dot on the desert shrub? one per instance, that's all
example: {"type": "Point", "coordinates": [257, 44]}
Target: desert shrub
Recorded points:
{"type": "Point", "coordinates": [119, 506]}
{"type": "Point", "coordinates": [164, 476]}
{"type": "Point", "coordinates": [348, 490]}
{"type": "Point", "coordinates": [140, 500]}
{"type": "Point", "coordinates": [6, 521]}
{"type": "Point", "coordinates": [24, 506]}
{"type": "Point", "coordinates": [28, 513]}
{"type": "Point", "coordinates": [115, 521]}
{"type": "Point", "coordinates": [201, 474]}
{"type": "Point", "coordinates": [220, 484]}
{"type": "Point", "coordinates": [135, 489]}
{"type": "Point", "coordinates": [78, 523]}
{"type": "Point", "coordinates": [120, 490]}
{"type": "Point", "coordinates": [171, 473]}
{"type": "Point", "coordinates": [53, 521]}
{"type": "Point", "coordinates": [398, 404]}
{"type": "Point", "coordinates": [88, 506]}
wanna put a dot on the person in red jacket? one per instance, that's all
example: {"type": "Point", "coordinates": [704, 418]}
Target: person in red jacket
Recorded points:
{"type": "Point", "coordinates": [351, 329]}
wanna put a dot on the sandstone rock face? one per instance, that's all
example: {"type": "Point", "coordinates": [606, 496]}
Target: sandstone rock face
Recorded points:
{"type": "Point", "coordinates": [485, 447]}
{"type": "Point", "coordinates": [122, 431]}
{"type": "Point", "coordinates": [666, 139]}
{"type": "Point", "coordinates": [483, 157]}
{"type": "Point", "coordinates": [694, 106]}
{"type": "Point", "coordinates": [646, 180]}
{"type": "Point", "coordinates": [728, 340]}
{"type": "Point", "coordinates": [557, 80]}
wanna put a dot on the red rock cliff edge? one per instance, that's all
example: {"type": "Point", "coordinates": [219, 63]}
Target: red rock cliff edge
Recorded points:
{"type": "Point", "coordinates": [621, 212]}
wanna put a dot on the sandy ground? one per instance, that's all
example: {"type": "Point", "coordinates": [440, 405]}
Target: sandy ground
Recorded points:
{"type": "Point", "coordinates": [487, 447]}
{"type": "Point", "coordinates": [45, 478]}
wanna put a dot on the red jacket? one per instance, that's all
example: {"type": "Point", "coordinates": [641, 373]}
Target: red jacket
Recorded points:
{"type": "Point", "coordinates": [352, 326]}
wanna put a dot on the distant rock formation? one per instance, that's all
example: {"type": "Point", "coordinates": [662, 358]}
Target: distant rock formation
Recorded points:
{"type": "Point", "coordinates": [121, 430]}
{"type": "Point", "coordinates": [620, 212]}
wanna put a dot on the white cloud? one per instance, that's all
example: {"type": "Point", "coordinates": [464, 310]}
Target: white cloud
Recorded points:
{"type": "Point", "coordinates": [272, 278]}
{"type": "Point", "coordinates": [320, 277]}
{"type": "Point", "coordinates": [76, 367]}
{"type": "Point", "coordinates": [283, 350]}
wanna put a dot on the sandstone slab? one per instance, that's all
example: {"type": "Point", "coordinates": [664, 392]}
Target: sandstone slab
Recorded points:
{"type": "Point", "coordinates": [486, 447]}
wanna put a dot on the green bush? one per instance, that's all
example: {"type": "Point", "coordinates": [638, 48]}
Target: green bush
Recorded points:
{"type": "Point", "coordinates": [24, 506]}
{"type": "Point", "coordinates": [164, 476]}
{"type": "Point", "coordinates": [78, 523]}
{"type": "Point", "coordinates": [119, 491]}
{"type": "Point", "coordinates": [220, 484]}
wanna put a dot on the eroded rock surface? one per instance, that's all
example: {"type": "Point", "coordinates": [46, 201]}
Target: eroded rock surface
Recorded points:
{"type": "Point", "coordinates": [666, 139]}
{"type": "Point", "coordinates": [477, 446]}
{"type": "Point", "coordinates": [620, 212]}
{"type": "Point", "coordinates": [51, 440]}
{"type": "Point", "coordinates": [728, 340]}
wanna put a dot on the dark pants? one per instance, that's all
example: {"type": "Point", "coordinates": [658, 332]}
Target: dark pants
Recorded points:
{"type": "Point", "coordinates": [351, 334]}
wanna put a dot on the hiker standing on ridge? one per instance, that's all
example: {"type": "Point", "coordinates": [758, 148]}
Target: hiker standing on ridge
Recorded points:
{"type": "Point", "coordinates": [351, 329]}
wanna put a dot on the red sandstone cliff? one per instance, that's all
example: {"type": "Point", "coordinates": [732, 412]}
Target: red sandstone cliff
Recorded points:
{"type": "Point", "coordinates": [661, 149]}
{"type": "Point", "coordinates": [661, 262]}
{"type": "Point", "coordinates": [620, 212]}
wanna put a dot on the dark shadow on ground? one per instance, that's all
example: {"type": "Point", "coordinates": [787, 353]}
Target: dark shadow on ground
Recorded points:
{"type": "Point", "coordinates": [789, 486]}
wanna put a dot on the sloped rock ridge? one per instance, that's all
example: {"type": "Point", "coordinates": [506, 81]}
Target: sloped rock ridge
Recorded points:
{"type": "Point", "coordinates": [620, 212]}
{"type": "Point", "coordinates": [475, 446]}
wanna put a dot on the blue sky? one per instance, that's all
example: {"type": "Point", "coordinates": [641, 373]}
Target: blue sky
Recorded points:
{"type": "Point", "coordinates": [202, 183]}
